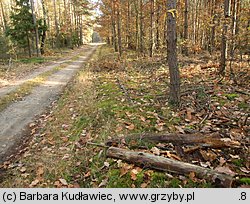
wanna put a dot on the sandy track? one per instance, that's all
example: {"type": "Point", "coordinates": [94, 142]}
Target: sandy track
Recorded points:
{"type": "Point", "coordinates": [13, 85]}
{"type": "Point", "coordinates": [16, 117]}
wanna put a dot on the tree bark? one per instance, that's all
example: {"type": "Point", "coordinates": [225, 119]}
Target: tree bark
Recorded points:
{"type": "Point", "coordinates": [185, 49]}
{"type": "Point", "coordinates": [233, 35]}
{"type": "Point", "coordinates": [172, 54]}
{"type": "Point", "coordinates": [128, 30]}
{"type": "Point", "coordinates": [119, 28]}
{"type": "Point", "coordinates": [224, 38]}
{"type": "Point", "coordinates": [38, 51]}
{"type": "Point", "coordinates": [213, 16]}
{"type": "Point", "coordinates": [28, 43]}
{"type": "Point", "coordinates": [114, 37]}
{"type": "Point", "coordinates": [208, 140]}
{"type": "Point", "coordinates": [141, 28]}
{"type": "Point", "coordinates": [45, 25]}
{"type": "Point", "coordinates": [3, 17]}
{"type": "Point", "coordinates": [137, 26]}
{"type": "Point", "coordinates": [56, 24]}
{"type": "Point", "coordinates": [169, 165]}
{"type": "Point", "coordinates": [152, 28]}
{"type": "Point", "coordinates": [157, 46]}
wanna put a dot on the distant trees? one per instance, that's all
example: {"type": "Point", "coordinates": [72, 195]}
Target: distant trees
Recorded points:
{"type": "Point", "coordinates": [34, 24]}
{"type": "Point", "coordinates": [201, 26]}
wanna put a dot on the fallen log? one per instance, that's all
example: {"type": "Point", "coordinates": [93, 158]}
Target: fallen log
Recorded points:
{"type": "Point", "coordinates": [170, 165]}
{"type": "Point", "coordinates": [207, 140]}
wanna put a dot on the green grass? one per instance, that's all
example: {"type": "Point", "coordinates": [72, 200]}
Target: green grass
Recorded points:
{"type": "Point", "coordinates": [245, 181]}
{"type": "Point", "coordinates": [243, 105]}
{"type": "Point", "coordinates": [239, 162]}
{"type": "Point", "coordinates": [231, 96]}
{"type": "Point", "coordinates": [33, 60]}
{"type": "Point", "coordinates": [26, 88]}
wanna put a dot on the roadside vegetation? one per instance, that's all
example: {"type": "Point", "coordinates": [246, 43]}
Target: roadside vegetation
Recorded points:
{"type": "Point", "coordinates": [112, 98]}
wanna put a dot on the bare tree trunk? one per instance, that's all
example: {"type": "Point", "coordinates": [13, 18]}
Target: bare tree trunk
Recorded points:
{"type": "Point", "coordinates": [81, 33]}
{"type": "Point", "coordinates": [119, 28]}
{"type": "Point", "coordinates": [28, 42]}
{"type": "Point", "coordinates": [136, 25]}
{"type": "Point", "coordinates": [141, 27]}
{"type": "Point", "coordinates": [195, 21]}
{"type": "Point", "coordinates": [185, 49]}
{"type": "Point", "coordinates": [152, 25]}
{"type": "Point", "coordinates": [165, 31]}
{"type": "Point", "coordinates": [114, 25]}
{"type": "Point", "coordinates": [3, 17]}
{"type": "Point", "coordinates": [38, 51]}
{"type": "Point", "coordinates": [172, 54]}
{"type": "Point", "coordinates": [212, 39]}
{"type": "Point", "coordinates": [56, 24]}
{"type": "Point", "coordinates": [45, 25]}
{"type": "Point", "coordinates": [233, 34]}
{"type": "Point", "coordinates": [59, 12]}
{"type": "Point", "coordinates": [128, 35]}
{"type": "Point", "coordinates": [157, 46]}
{"type": "Point", "coordinates": [224, 38]}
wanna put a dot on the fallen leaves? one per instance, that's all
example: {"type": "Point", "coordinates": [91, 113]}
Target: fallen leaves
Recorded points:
{"type": "Point", "coordinates": [134, 172]}
{"type": "Point", "coordinates": [34, 183]}
{"type": "Point", "coordinates": [225, 170]}
{"type": "Point", "coordinates": [155, 151]}
{"type": "Point", "coordinates": [103, 183]}
{"type": "Point", "coordinates": [63, 182]}
{"type": "Point", "coordinates": [130, 127]}
{"type": "Point", "coordinates": [23, 169]}
{"type": "Point", "coordinates": [125, 168]}
{"type": "Point", "coordinates": [40, 171]}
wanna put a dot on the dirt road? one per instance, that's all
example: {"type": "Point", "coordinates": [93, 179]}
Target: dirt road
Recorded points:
{"type": "Point", "coordinates": [16, 117]}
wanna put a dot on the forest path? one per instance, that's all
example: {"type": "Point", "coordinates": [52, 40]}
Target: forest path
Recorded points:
{"type": "Point", "coordinates": [14, 120]}
{"type": "Point", "coordinates": [14, 84]}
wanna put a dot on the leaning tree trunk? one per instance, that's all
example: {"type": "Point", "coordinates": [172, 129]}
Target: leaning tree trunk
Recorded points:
{"type": "Point", "coordinates": [172, 54]}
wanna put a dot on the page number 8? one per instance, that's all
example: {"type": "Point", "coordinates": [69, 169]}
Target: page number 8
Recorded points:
{"type": "Point", "coordinates": [243, 196]}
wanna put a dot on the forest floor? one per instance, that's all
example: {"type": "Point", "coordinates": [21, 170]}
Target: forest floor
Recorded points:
{"type": "Point", "coordinates": [29, 97]}
{"type": "Point", "coordinates": [110, 99]}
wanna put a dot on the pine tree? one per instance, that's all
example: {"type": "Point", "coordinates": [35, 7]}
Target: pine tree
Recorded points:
{"type": "Point", "coordinates": [21, 26]}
